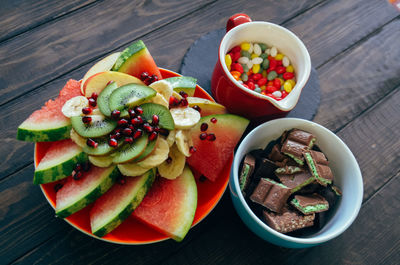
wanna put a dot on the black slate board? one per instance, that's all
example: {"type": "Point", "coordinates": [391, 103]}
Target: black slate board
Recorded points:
{"type": "Point", "coordinates": [200, 59]}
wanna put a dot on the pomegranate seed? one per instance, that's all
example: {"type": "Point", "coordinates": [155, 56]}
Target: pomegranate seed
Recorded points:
{"type": "Point", "coordinates": [86, 166]}
{"type": "Point", "coordinates": [109, 82]}
{"type": "Point", "coordinates": [183, 94]}
{"type": "Point", "coordinates": [116, 136]}
{"type": "Point", "coordinates": [86, 119]}
{"type": "Point", "coordinates": [137, 121]}
{"type": "Point", "coordinates": [211, 137]}
{"type": "Point", "coordinates": [204, 127]}
{"type": "Point", "coordinates": [213, 120]}
{"type": "Point", "coordinates": [202, 178]}
{"type": "Point", "coordinates": [113, 142]}
{"type": "Point", "coordinates": [184, 102]}
{"type": "Point", "coordinates": [147, 81]}
{"type": "Point", "coordinates": [122, 123]}
{"type": "Point", "coordinates": [117, 130]}
{"type": "Point", "coordinates": [137, 134]}
{"type": "Point", "coordinates": [147, 128]}
{"type": "Point", "coordinates": [121, 179]}
{"type": "Point", "coordinates": [131, 127]}
{"type": "Point", "coordinates": [138, 110]}
{"type": "Point", "coordinates": [163, 132]}
{"type": "Point", "coordinates": [58, 187]}
{"type": "Point", "coordinates": [157, 128]}
{"type": "Point", "coordinates": [128, 140]}
{"type": "Point", "coordinates": [153, 79]}
{"type": "Point", "coordinates": [192, 149]}
{"type": "Point", "coordinates": [144, 75]}
{"type": "Point", "coordinates": [94, 96]}
{"type": "Point", "coordinates": [92, 102]}
{"type": "Point", "coordinates": [90, 142]}
{"type": "Point", "coordinates": [127, 131]}
{"type": "Point", "coordinates": [173, 101]}
{"type": "Point", "coordinates": [78, 167]}
{"type": "Point", "coordinates": [132, 113]}
{"type": "Point", "coordinates": [77, 175]}
{"type": "Point", "coordinates": [197, 108]}
{"type": "Point", "coordinates": [87, 110]}
{"type": "Point", "coordinates": [169, 160]}
{"type": "Point", "coordinates": [155, 119]}
{"type": "Point", "coordinates": [203, 136]}
{"type": "Point", "coordinates": [153, 136]}
{"type": "Point", "coordinates": [115, 114]}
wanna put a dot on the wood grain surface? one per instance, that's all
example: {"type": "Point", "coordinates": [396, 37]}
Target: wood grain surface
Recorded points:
{"type": "Point", "coordinates": [353, 45]}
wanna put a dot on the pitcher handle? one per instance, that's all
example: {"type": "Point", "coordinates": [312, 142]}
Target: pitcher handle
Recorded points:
{"type": "Point", "coordinates": [236, 20]}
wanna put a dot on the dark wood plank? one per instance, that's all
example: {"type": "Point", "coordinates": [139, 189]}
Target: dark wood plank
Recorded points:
{"type": "Point", "coordinates": [56, 48]}
{"type": "Point", "coordinates": [359, 78]}
{"type": "Point", "coordinates": [20, 16]}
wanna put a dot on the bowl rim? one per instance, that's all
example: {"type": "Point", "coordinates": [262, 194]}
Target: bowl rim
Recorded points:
{"type": "Point", "coordinates": [303, 241]}
{"type": "Point", "coordinates": [291, 100]}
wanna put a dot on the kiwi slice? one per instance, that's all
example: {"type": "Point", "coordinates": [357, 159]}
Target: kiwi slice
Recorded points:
{"type": "Point", "coordinates": [128, 152]}
{"type": "Point", "coordinates": [99, 126]}
{"type": "Point", "coordinates": [165, 118]}
{"type": "Point", "coordinates": [103, 147]}
{"type": "Point", "coordinates": [149, 148]}
{"type": "Point", "coordinates": [129, 96]}
{"type": "Point", "coordinates": [104, 98]}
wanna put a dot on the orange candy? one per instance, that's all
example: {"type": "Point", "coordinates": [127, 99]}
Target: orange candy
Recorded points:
{"type": "Point", "coordinates": [236, 74]}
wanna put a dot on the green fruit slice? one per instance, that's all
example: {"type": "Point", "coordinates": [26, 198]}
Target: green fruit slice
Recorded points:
{"type": "Point", "coordinates": [186, 84]}
{"type": "Point", "coordinates": [77, 194]}
{"type": "Point", "coordinates": [104, 98]}
{"type": "Point", "coordinates": [99, 126]}
{"type": "Point", "coordinates": [44, 131]}
{"type": "Point", "coordinates": [129, 96]}
{"type": "Point", "coordinates": [147, 151]}
{"type": "Point", "coordinates": [58, 162]}
{"type": "Point", "coordinates": [165, 118]}
{"type": "Point", "coordinates": [101, 161]}
{"type": "Point", "coordinates": [111, 209]}
{"type": "Point", "coordinates": [128, 152]}
{"type": "Point", "coordinates": [102, 149]}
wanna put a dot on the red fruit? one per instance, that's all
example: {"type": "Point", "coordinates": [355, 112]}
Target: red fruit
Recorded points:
{"type": "Point", "coordinates": [184, 102]}
{"type": "Point", "coordinates": [144, 75]}
{"type": "Point", "coordinates": [197, 108]}
{"type": "Point", "coordinates": [132, 113]}
{"type": "Point", "coordinates": [153, 136]}
{"type": "Point", "coordinates": [211, 137]}
{"type": "Point", "coordinates": [288, 76]}
{"type": "Point", "coordinates": [137, 121]}
{"type": "Point", "coordinates": [183, 94]}
{"type": "Point", "coordinates": [213, 120]}
{"type": "Point", "coordinates": [94, 96]}
{"type": "Point", "coordinates": [90, 142]}
{"type": "Point", "coordinates": [86, 119]}
{"type": "Point", "coordinates": [192, 149]}
{"type": "Point", "coordinates": [122, 123]}
{"type": "Point", "coordinates": [147, 128]}
{"type": "Point", "coordinates": [78, 167]}
{"type": "Point", "coordinates": [115, 114]}
{"type": "Point", "coordinates": [112, 142]}
{"type": "Point", "coordinates": [77, 175]}
{"type": "Point", "coordinates": [116, 136]}
{"type": "Point", "coordinates": [204, 127]}
{"type": "Point", "coordinates": [280, 69]}
{"type": "Point", "coordinates": [173, 101]}
{"type": "Point", "coordinates": [154, 78]}
{"type": "Point", "coordinates": [127, 131]}
{"type": "Point", "coordinates": [128, 140]}
{"type": "Point", "coordinates": [92, 102]}
{"type": "Point", "coordinates": [155, 119]}
{"type": "Point", "coordinates": [203, 136]}
{"type": "Point", "coordinates": [137, 134]}
{"type": "Point", "coordinates": [87, 110]}
{"type": "Point", "coordinates": [138, 110]}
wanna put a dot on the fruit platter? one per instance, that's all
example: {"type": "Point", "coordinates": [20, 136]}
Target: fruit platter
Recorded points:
{"type": "Point", "coordinates": [132, 153]}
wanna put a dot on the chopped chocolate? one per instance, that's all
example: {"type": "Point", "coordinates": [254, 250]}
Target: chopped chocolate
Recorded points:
{"type": "Point", "coordinates": [270, 194]}
{"type": "Point", "coordinates": [265, 168]}
{"type": "Point", "coordinates": [302, 137]}
{"type": "Point", "coordinates": [289, 170]}
{"type": "Point", "coordinates": [294, 150]}
{"type": "Point", "coordinates": [309, 204]}
{"type": "Point", "coordinates": [259, 154]}
{"type": "Point", "coordinates": [336, 190]}
{"type": "Point", "coordinates": [296, 181]}
{"type": "Point", "coordinates": [318, 165]}
{"type": "Point", "coordinates": [276, 154]}
{"type": "Point", "coordinates": [288, 220]}
{"type": "Point", "coordinates": [249, 164]}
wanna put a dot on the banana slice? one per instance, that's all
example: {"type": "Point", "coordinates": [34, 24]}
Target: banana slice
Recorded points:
{"type": "Point", "coordinates": [132, 169]}
{"type": "Point", "coordinates": [183, 141]}
{"type": "Point", "coordinates": [73, 107]}
{"type": "Point", "coordinates": [176, 95]}
{"type": "Point", "coordinates": [101, 161]}
{"type": "Point", "coordinates": [185, 118]}
{"type": "Point", "coordinates": [172, 168]}
{"type": "Point", "coordinates": [79, 140]}
{"type": "Point", "coordinates": [159, 155]}
{"type": "Point", "coordinates": [171, 138]}
{"type": "Point", "coordinates": [163, 87]}
{"type": "Point", "coordinates": [159, 99]}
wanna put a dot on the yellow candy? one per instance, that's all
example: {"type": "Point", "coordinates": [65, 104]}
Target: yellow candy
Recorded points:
{"type": "Point", "coordinates": [253, 56]}
{"type": "Point", "coordinates": [287, 86]}
{"type": "Point", "coordinates": [264, 73]}
{"type": "Point", "coordinates": [282, 81]}
{"type": "Point", "coordinates": [289, 69]}
{"type": "Point", "coordinates": [279, 56]}
{"type": "Point", "coordinates": [263, 88]}
{"type": "Point", "coordinates": [256, 68]}
{"type": "Point", "coordinates": [228, 61]}
{"type": "Point", "coordinates": [245, 46]}
{"type": "Point", "coordinates": [292, 82]}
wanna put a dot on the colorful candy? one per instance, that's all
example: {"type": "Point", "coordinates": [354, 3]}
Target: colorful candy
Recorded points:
{"type": "Point", "coordinates": [262, 69]}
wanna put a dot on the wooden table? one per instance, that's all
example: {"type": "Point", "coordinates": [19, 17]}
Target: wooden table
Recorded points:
{"type": "Point", "coordinates": [354, 45]}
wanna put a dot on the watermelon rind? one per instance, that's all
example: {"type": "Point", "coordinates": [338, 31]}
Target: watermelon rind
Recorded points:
{"type": "Point", "coordinates": [46, 131]}
{"type": "Point", "coordinates": [186, 84]}
{"type": "Point", "coordinates": [132, 49]}
{"type": "Point", "coordinates": [59, 167]}
{"type": "Point", "coordinates": [90, 193]}
{"type": "Point", "coordinates": [102, 226]}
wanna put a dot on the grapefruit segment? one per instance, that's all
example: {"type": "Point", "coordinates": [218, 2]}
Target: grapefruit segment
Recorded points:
{"type": "Point", "coordinates": [170, 205]}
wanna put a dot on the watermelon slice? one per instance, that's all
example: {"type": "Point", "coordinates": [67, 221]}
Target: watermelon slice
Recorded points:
{"type": "Point", "coordinates": [170, 205]}
{"type": "Point", "coordinates": [58, 162]}
{"type": "Point", "coordinates": [211, 156]}
{"type": "Point", "coordinates": [49, 124]}
{"type": "Point", "coordinates": [135, 60]}
{"type": "Point", "coordinates": [111, 209]}
{"type": "Point", "coordinates": [77, 194]}
{"type": "Point", "coordinates": [186, 84]}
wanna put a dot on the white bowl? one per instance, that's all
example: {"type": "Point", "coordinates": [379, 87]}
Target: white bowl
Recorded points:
{"type": "Point", "coordinates": [347, 176]}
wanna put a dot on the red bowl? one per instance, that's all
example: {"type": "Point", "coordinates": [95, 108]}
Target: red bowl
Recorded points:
{"type": "Point", "coordinates": [132, 231]}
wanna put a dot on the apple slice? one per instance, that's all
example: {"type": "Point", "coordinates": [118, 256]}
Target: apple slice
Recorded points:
{"type": "Point", "coordinates": [104, 64]}
{"type": "Point", "coordinates": [207, 107]}
{"type": "Point", "coordinates": [97, 82]}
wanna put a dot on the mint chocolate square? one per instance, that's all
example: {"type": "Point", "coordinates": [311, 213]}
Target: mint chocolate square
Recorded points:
{"type": "Point", "coordinates": [288, 220]}
{"type": "Point", "coordinates": [302, 137]}
{"type": "Point", "coordinates": [270, 194]}
{"type": "Point", "coordinates": [310, 204]}
{"type": "Point", "coordinates": [296, 181]}
{"type": "Point", "coordinates": [318, 165]}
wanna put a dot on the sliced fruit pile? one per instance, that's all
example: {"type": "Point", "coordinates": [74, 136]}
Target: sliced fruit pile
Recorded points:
{"type": "Point", "coordinates": [131, 133]}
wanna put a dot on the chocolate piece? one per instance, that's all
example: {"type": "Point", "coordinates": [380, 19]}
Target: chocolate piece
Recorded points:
{"type": "Point", "coordinates": [302, 137]}
{"type": "Point", "coordinates": [259, 154]}
{"type": "Point", "coordinates": [296, 181]}
{"type": "Point", "coordinates": [276, 154]}
{"type": "Point", "coordinates": [336, 190]}
{"type": "Point", "coordinates": [310, 188]}
{"type": "Point", "coordinates": [318, 165]}
{"type": "Point", "coordinates": [249, 164]}
{"type": "Point", "coordinates": [309, 204]}
{"type": "Point", "coordinates": [270, 194]}
{"type": "Point", "coordinates": [288, 220]}
{"type": "Point", "coordinates": [265, 168]}
{"type": "Point", "coordinates": [288, 170]}
{"type": "Point", "coordinates": [294, 150]}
